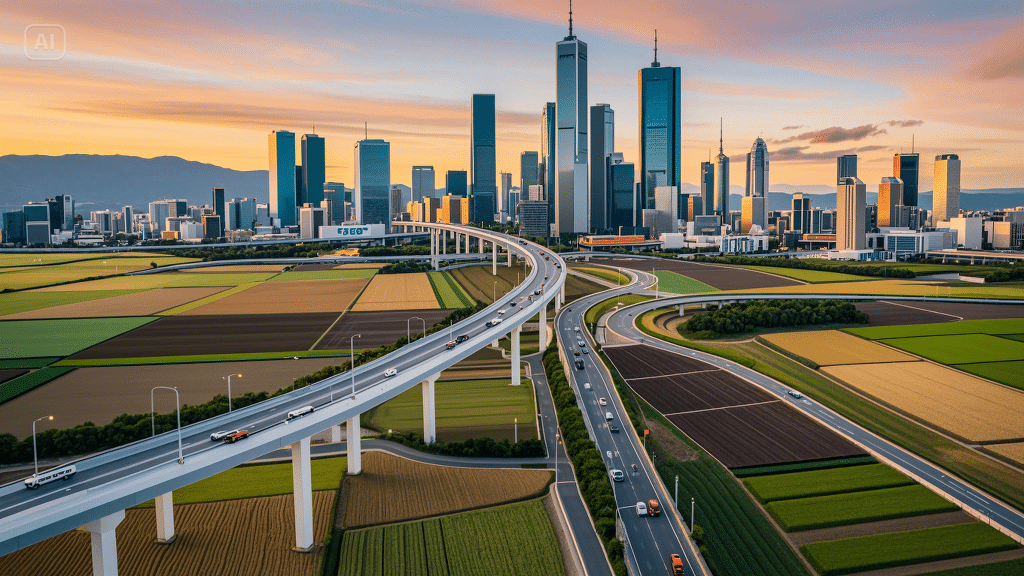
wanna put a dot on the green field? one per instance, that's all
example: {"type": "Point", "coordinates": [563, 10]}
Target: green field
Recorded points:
{"type": "Point", "coordinates": [801, 466]}
{"type": "Point", "coordinates": [1007, 568]}
{"type": "Point", "coordinates": [902, 548]}
{"type": "Point", "coordinates": [36, 338]}
{"type": "Point", "coordinates": [1009, 373]}
{"type": "Point", "coordinates": [23, 384]}
{"type": "Point", "coordinates": [256, 481]}
{"type": "Point", "coordinates": [26, 301]}
{"type": "Point", "coordinates": [604, 273]}
{"type": "Point", "coordinates": [825, 482]}
{"type": "Point", "coordinates": [1003, 326]}
{"type": "Point", "coordinates": [326, 274]}
{"type": "Point", "coordinates": [679, 284]}
{"type": "Point", "coordinates": [812, 276]}
{"type": "Point", "coordinates": [597, 310]}
{"type": "Point", "coordinates": [462, 404]}
{"type": "Point", "coordinates": [857, 507]}
{"type": "Point", "coordinates": [42, 259]}
{"type": "Point", "coordinates": [18, 363]}
{"type": "Point", "coordinates": [516, 539]}
{"type": "Point", "coordinates": [961, 348]}
{"type": "Point", "coordinates": [204, 358]}
{"type": "Point", "coordinates": [450, 295]}
{"type": "Point", "coordinates": [75, 271]}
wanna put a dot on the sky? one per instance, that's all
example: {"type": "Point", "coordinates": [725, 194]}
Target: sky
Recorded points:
{"type": "Point", "coordinates": [208, 81]}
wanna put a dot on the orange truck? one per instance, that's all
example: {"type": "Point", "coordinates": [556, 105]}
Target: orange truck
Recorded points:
{"type": "Point", "coordinates": [232, 438]}
{"type": "Point", "coordinates": [678, 569]}
{"type": "Point", "coordinates": [653, 508]}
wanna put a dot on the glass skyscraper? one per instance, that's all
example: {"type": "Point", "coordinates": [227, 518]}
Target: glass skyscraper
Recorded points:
{"type": "Point", "coordinates": [572, 198]}
{"type": "Point", "coordinates": [529, 173]}
{"type": "Point", "coordinates": [373, 182]}
{"type": "Point", "coordinates": [621, 175]}
{"type": "Point", "coordinates": [757, 170]}
{"type": "Point", "coordinates": [547, 157]}
{"type": "Point", "coordinates": [313, 169]}
{"type": "Point", "coordinates": [282, 177]}
{"type": "Point", "coordinates": [602, 144]}
{"type": "Point", "coordinates": [422, 182]}
{"type": "Point", "coordinates": [483, 164]}
{"type": "Point", "coordinates": [906, 167]}
{"type": "Point", "coordinates": [722, 182]}
{"type": "Point", "coordinates": [846, 167]}
{"type": "Point", "coordinates": [660, 126]}
{"type": "Point", "coordinates": [455, 183]}
{"type": "Point", "coordinates": [707, 187]}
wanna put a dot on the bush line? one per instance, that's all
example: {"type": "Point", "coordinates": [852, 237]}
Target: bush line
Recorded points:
{"type": "Point", "coordinates": [749, 316]}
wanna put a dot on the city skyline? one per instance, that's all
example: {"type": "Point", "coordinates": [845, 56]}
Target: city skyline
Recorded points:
{"type": "Point", "coordinates": [211, 105]}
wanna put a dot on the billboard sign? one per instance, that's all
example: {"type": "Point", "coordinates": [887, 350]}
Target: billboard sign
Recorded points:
{"type": "Point", "coordinates": [364, 232]}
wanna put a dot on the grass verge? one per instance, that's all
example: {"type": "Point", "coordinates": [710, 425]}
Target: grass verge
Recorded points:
{"type": "Point", "coordinates": [597, 310]}
{"type": "Point", "coordinates": [677, 283]}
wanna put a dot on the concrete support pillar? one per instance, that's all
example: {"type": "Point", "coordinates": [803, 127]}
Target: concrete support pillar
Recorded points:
{"type": "Point", "coordinates": [165, 518]}
{"type": "Point", "coordinates": [543, 336]}
{"type": "Point", "coordinates": [561, 292]}
{"type": "Point", "coordinates": [494, 258]}
{"type": "Point", "coordinates": [480, 244]}
{"type": "Point", "coordinates": [458, 243]}
{"type": "Point", "coordinates": [429, 411]}
{"type": "Point", "coordinates": [515, 355]}
{"type": "Point", "coordinates": [353, 446]}
{"type": "Point", "coordinates": [302, 487]}
{"type": "Point", "coordinates": [444, 242]}
{"type": "Point", "coordinates": [681, 313]}
{"type": "Point", "coordinates": [467, 243]}
{"type": "Point", "coordinates": [511, 256]}
{"type": "Point", "coordinates": [335, 434]}
{"type": "Point", "coordinates": [558, 302]}
{"type": "Point", "coordinates": [104, 543]}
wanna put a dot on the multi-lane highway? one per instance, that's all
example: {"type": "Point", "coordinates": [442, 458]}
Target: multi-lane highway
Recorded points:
{"type": "Point", "coordinates": [125, 476]}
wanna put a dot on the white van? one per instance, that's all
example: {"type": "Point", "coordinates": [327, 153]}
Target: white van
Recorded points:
{"type": "Point", "coordinates": [64, 473]}
{"type": "Point", "coordinates": [586, 385]}
{"type": "Point", "coordinates": [609, 416]}
{"type": "Point", "coordinates": [300, 412]}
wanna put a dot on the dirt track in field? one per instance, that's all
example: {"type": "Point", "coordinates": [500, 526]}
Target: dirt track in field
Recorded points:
{"type": "Point", "coordinates": [377, 328]}
{"type": "Point", "coordinates": [287, 297]}
{"type": "Point", "coordinates": [144, 303]}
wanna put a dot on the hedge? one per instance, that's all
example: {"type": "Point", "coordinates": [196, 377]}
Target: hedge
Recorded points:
{"type": "Point", "coordinates": [749, 316]}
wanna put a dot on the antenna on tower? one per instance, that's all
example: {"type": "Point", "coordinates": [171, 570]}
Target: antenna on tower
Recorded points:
{"type": "Point", "coordinates": [912, 143]}
{"type": "Point", "coordinates": [655, 46]}
{"type": "Point", "coordinates": [720, 134]}
{"type": "Point", "coordinates": [570, 18]}
{"type": "Point", "coordinates": [366, 131]}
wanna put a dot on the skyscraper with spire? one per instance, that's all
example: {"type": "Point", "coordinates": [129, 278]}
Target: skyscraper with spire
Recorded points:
{"type": "Point", "coordinates": [572, 198]}
{"type": "Point", "coordinates": [660, 127]}
{"type": "Point", "coordinates": [721, 178]}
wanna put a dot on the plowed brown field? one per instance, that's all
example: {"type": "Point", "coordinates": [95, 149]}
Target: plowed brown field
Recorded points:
{"type": "Point", "coordinates": [392, 489]}
{"type": "Point", "coordinates": [288, 298]}
{"type": "Point", "coordinates": [243, 537]}
{"type": "Point", "coordinates": [397, 292]}
{"type": "Point", "coordinates": [135, 304]}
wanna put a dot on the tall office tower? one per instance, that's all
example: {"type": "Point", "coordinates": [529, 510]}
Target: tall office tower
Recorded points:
{"type": "Point", "coordinates": [218, 207]}
{"type": "Point", "coordinates": [757, 170]}
{"type": "Point", "coordinates": [533, 218]}
{"type": "Point", "coordinates": [263, 214]}
{"type": "Point", "coordinates": [335, 192]}
{"type": "Point", "coordinates": [246, 213]}
{"type": "Point", "coordinates": [68, 210]}
{"type": "Point", "coordinates": [422, 183]}
{"type": "Point", "coordinates": [300, 190]}
{"type": "Point", "coordinates": [547, 179]}
{"type": "Point", "coordinates": [159, 211]}
{"type": "Point", "coordinates": [282, 176]}
{"type": "Point", "coordinates": [666, 206]}
{"type": "Point", "coordinates": [482, 162]}
{"type": "Point", "coordinates": [396, 202]}
{"type": "Point", "coordinates": [177, 208]}
{"type": "Point", "coordinates": [890, 196]}
{"type": "Point", "coordinates": [127, 212]}
{"type": "Point", "coordinates": [212, 225]}
{"type": "Point", "coordinates": [314, 169]}
{"type": "Point", "coordinates": [660, 127]}
{"type": "Point", "coordinates": [753, 212]}
{"type": "Point", "coordinates": [572, 200]}
{"type": "Point", "coordinates": [529, 172]}
{"type": "Point", "coordinates": [800, 215]}
{"type": "Point", "coordinates": [373, 182]}
{"type": "Point", "coordinates": [721, 181]}
{"type": "Point", "coordinates": [850, 198]}
{"type": "Point", "coordinates": [621, 176]}
{"type": "Point", "coordinates": [14, 226]}
{"type": "Point", "coordinates": [535, 194]}
{"type": "Point", "coordinates": [946, 186]}
{"type": "Point", "coordinates": [694, 207]}
{"type": "Point", "coordinates": [707, 186]}
{"type": "Point", "coordinates": [506, 187]}
{"type": "Point", "coordinates": [602, 144]}
{"type": "Point", "coordinates": [906, 167]}
{"type": "Point", "coordinates": [456, 183]}
{"type": "Point", "coordinates": [846, 167]}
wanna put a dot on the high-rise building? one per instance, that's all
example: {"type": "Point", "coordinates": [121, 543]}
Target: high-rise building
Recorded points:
{"type": "Point", "coordinates": [212, 225]}
{"type": "Point", "coordinates": [890, 198]}
{"type": "Point", "coordinates": [128, 213]}
{"type": "Point", "coordinates": [572, 198]}
{"type": "Point", "coordinates": [454, 210]}
{"type": "Point", "coordinates": [846, 167]}
{"type": "Point", "coordinates": [753, 212]}
{"type": "Point", "coordinates": [14, 226]}
{"type": "Point", "coordinates": [373, 182]}
{"type": "Point", "coordinates": [548, 144]}
{"type": "Point", "coordinates": [666, 206]}
{"type": "Point", "coordinates": [218, 208]}
{"type": "Point", "coordinates": [336, 193]}
{"type": "Point", "coordinates": [422, 182]}
{"type": "Point", "coordinates": [602, 145]}
{"type": "Point", "coordinates": [621, 177]}
{"type": "Point", "coordinates": [707, 186]}
{"type": "Point", "coordinates": [721, 180]}
{"type": "Point", "coordinates": [300, 190]}
{"type": "Point", "coordinates": [506, 187]}
{"type": "Point", "coordinates": [314, 169]}
{"type": "Point", "coordinates": [946, 188]}
{"type": "Point", "coordinates": [483, 162]}
{"type": "Point", "coordinates": [310, 220]}
{"type": "Point", "coordinates": [431, 206]}
{"type": "Point", "coordinates": [396, 202]}
{"type": "Point", "coordinates": [694, 207]}
{"type": "Point", "coordinates": [240, 214]}
{"type": "Point", "coordinates": [68, 211]}
{"type": "Point", "coordinates": [800, 215]}
{"type": "Point", "coordinates": [177, 207]}
{"type": "Point", "coordinates": [533, 218]}
{"type": "Point", "coordinates": [757, 170]}
{"type": "Point", "coordinates": [906, 167]}
{"type": "Point", "coordinates": [660, 127]}
{"type": "Point", "coordinates": [456, 183]}
{"type": "Point", "coordinates": [282, 176]}
{"type": "Point", "coordinates": [159, 211]}
{"type": "Point", "coordinates": [850, 199]}
{"type": "Point", "coordinates": [529, 172]}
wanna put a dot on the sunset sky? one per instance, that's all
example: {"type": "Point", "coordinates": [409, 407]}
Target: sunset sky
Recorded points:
{"type": "Point", "coordinates": [208, 81]}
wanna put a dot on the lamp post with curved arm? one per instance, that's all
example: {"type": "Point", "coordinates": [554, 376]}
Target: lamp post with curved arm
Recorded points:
{"type": "Point", "coordinates": [35, 459]}
{"type": "Point", "coordinates": [152, 416]}
{"type": "Point", "coordinates": [228, 378]}
{"type": "Point", "coordinates": [352, 352]}
{"type": "Point", "coordinates": [408, 336]}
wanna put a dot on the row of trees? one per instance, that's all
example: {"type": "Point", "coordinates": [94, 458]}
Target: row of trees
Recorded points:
{"type": "Point", "coordinates": [750, 316]}
{"type": "Point", "coordinates": [472, 448]}
{"type": "Point", "coordinates": [810, 264]}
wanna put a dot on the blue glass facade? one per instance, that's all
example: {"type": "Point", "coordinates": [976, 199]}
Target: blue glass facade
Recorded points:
{"type": "Point", "coordinates": [529, 175]}
{"type": "Point", "coordinates": [373, 182]}
{"type": "Point", "coordinates": [602, 144]}
{"type": "Point", "coordinates": [282, 177]}
{"type": "Point", "coordinates": [548, 131]}
{"type": "Point", "coordinates": [906, 167]}
{"type": "Point", "coordinates": [660, 126]}
{"type": "Point", "coordinates": [313, 169]}
{"type": "Point", "coordinates": [572, 194]}
{"type": "Point", "coordinates": [621, 176]}
{"type": "Point", "coordinates": [456, 183]}
{"type": "Point", "coordinates": [483, 163]}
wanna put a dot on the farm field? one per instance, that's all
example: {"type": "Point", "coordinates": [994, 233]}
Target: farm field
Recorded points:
{"type": "Point", "coordinates": [966, 406]}
{"type": "Point", "coordinates": [397, 292]}
{"type": "Point", "coordinates": [1009, 373]}
{"type": "Point", "coordinates": [286, 298]}
{"type": "Point", "coordinates": [392, 489]}
{"type": "Point", "coordinates": [481, 543]}
{"type": "Point", "coordinates": [831, 347]}
{"type": "Point", "coordinates": [671, 282]}
{"type": "Point", "coordinates": [1007, 568]}
{"type": "Point", "coordinates": [27, 382]}
{"type": "Point", "coordinates": [332, 274]}
{"type": "Point", "coordinates": [220, 294]}
{"type": "Point", "coordinates": [35, 338]}
{"type": "Point", "coordinates": [27, 301]}
{"type": "Point", "coordinates": [162, 280]}
{"type": "Point", "coordinates": [902, 548]}
{"type": "Point", "coordinates": [104, 393]}
{"type": "Point", "coordinates": [695, 391]}
{"type": "Point", "coordinates": [718, 276]}
{"type": "Point", "coordinates": [857, 507]}
{"type": "Point", "coordinates": [41, 259]}
{"type": "Point", "coordinates": [812, 276]}
{"type": "Point", "coordinates": [236, 268]}
{"type": "Point", "coordinates": [465, 409]}
{"type": "Point", "coordinates": [1014, 451]}
{"type": "Point", "coordinates": [236, 537]}
{"type": "Point", "coordinates": [74, 271]}
{"type": "Point", "coordinates": [478, 282]}
{"type": "Point", "coordinates": [899, 287]}
{"type": "Point", "coordinates": [6, 375]}
{"type": "Point", "coordinates": [185, 335]}
{"type": "Point", "coordinates": [973, 311]}
{"type": "Point", "coordinates": [605, 273]}
{"type": "Point", "coordinates": [576, 287]}
{"type": "Point", "coordinates": [961, 348]}
{"type": "Point", "coordinates": [145, 303]}
{"type": "Point", "coordinates": [377, 328]}
{"type": "Point", "coordinates": [824, 482]}
{"type": "Point", "coordinates": [886, 313]}
{"type": "Point", "coordinates": [448, 292]}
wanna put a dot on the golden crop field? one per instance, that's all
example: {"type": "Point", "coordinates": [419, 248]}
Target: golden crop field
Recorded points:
{"type": "Point", "coordinates": [899, 288]}
{"type": "Point", "coordinates": [397, 292]}
{"type": "Point", "coordinates": [241, 268]}
{"type": "Point", "coordinates": [287, 298]}
{"type": "Point", "coordinates": [243, 537]}
{"type": "Point", "coordinates": [972, 408]}
{"type": "Point", "coordinates": [1012, 451]}
{"type": "Point", "coordinates": [134, 304]}
{"type": "Point", "coordinates": [144, 282]}
{"type": "Point", "coordinates": [393, 489]}
{"type": "Point", "coordinates": [830, 347]}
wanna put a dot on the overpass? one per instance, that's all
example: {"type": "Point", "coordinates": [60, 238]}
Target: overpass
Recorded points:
{"type": "Point", "coordinates": [107, 483]}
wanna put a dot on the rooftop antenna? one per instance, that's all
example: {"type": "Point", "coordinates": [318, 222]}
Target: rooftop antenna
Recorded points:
{"type": "Point", "coordinates": [366, 131]}
{"type": "Point", "coordinates": [655, 48]}
{"type": "Point", "coordinates": [720, 134]}
{"type": "Point", "coordinates": [570, 18]}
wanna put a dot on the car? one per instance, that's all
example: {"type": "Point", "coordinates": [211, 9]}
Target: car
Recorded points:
{"type": "Point", "coordinates": [236, 436]}
{"type": "Point", "coordinates": [586, 385]}
{"type": "Point", "coordinates": [581, 343]}
{"type": "Point", "coordinates": [461, 338]}
{"type": "Point", "coordinates": [450, 344]}
{"type": "Point", "coordinates": [678, 569]}
{"type": "Point", "coordinates": [653, 508]}
{"type": "Point", "coordinates": [545, 276]}
{"type": "Point", "coordinates": [575, 352]}
{"type": "Point", "coordinates": [585, 351]}
{"type": "Point", "coordinates": [390, 373]}
{"type": "Point", "coordinates": [512, 303]}
{"type": "Point", "coordinates": [36, 480]}
{"type": "Point", "coordinates": [608, 453]}
{"type": "Point", "coordinates": [500, 312]}
{"type": "Point", "coordinates": [493, 322]}
{"type": "Point", "coordinates": [579, 364]}
{"type": "Point", "coordinates": [796, 394]}
{"type": "Point", "coordinates": [602, 401]}
{"type": "Point", "coordinates": [576, 328]}
{"type": "Point", "coordinates": [537, 292]}
{"type": "Point", "coordinates": [300, 412]}
{"type": "Point", "coordinates": [641, 509]}
{"type": "Point", "coordinates": [617, 475]}
{"type": "Point", "coordinates": [218, 436]}
{"type": "Point", "coordinates": [609, 416]}
{"type": "Point", "coordinates": [613, 428]}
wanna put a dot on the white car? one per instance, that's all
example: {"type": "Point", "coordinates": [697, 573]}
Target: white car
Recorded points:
{"type": "Point", "coordinates": [218, 436]}
{"type": "Point", "coordinates": [391, 372]}
{"type": "Point", "coordinates": [493, 322]}
{"type": "Point", "coordinates": [617, 475]}
{"type": "Point", "coordinates": [795, 394]}
{"type": "Point", "coordinates": [641, 509]}
{"type": "Point", "coordinates": [500, 312]}
{"type": "Point", "coordinates": [586, 385]}
{"type": "Point", "coordinates": [602, 401]}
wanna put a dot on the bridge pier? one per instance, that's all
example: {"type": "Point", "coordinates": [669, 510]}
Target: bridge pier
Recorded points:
{"type": "Point", "coordinates": [335, 434]}
{"type": "Point", "coordinates": [480, 243]}
{"type": "Point", "coordinates": [429, 410]}
{"type": "Point", "coordinates": [353, 446]}
{"type": "Point", "coordinates": [511, 256]}
{"type": "Point", "coordinates": [543, 335]}
{"type": "Point", "coordinates": [302, 487]}
{"type": "Point", "coordinates": [458, 243]}
{"type": "Point", "coordinates": [514, 336]}
{"type": "Point", "coordinates": [558, 301]}
{"type": "Point", "coordinates": [444, 242]}
{"type": "Point", "coordinates": [561, 292]}
{"type": "Point", "coordinates": [165, 518]}
{"type": "Point", "coordinates": [104, 543]}
{"type": "Point", "coordinates": [433, 248]}
{"type": "Point", "coordinates": [681, 313]}
{"type": "Point", "coordinates": [494, 258]}
{"type": "Point", "coordinates": [467, 243]}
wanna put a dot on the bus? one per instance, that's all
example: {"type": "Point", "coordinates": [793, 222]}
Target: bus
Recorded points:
{"type": "Point", "coordinates": [64, 473]}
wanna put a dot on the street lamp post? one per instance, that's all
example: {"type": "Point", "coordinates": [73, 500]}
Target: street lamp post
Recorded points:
{"type": "Point", "coordinates": [558, 442]}
{"type": "Point", "coordinates": [35, 458]}
{"type": "Point", "coordinates": [692, 524]}
{"type": "Point", "coordinates": [352, 368]}
{"type": "Point", "coordinates": [516, 437]}
{"type": "Point", "coordinates": [228, 378]}
{"type": "Point", "coordinates": [494, 292]}
{"type": "Point", "coordinates": [152, 416]}
{"type": "Point", "coordinates": [408, 337]}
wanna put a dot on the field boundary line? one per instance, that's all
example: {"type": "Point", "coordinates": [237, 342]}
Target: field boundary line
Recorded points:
{"type": "Point", "coordinates": [722, 408]}
{"type": "Point", "coordinates": [206, 300]}
{"type": "Point", "coordinates": [328, 331]}
{"type": "Point", "coordinates": [922, 309]}
{"type": "Point", "coordinates": [670, 375]}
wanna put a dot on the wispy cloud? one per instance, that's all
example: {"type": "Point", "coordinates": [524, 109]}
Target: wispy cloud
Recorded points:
{"type": "Point", "coordinates": [836, 134]}
{"type": "Point", "coordinates": [792, 127]}
{"type": "Point", "coordinates": [800, 153]}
